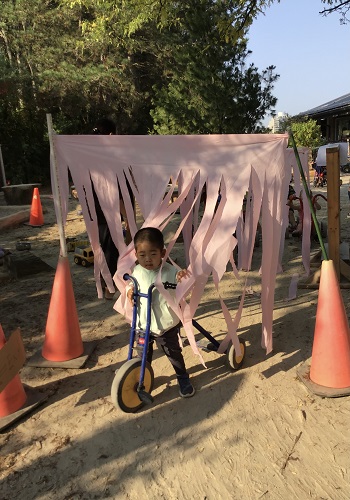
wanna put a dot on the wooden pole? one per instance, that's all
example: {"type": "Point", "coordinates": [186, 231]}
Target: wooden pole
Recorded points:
{"type": "Point", "coordinates": [2, 170]}
{"type": "Point", "coordinates": [56, 189]}
{"type": "Point", "coordinates": [333, 202]}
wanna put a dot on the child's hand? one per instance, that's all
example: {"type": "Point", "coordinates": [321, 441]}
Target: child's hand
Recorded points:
{"type": "Point", "coordinates": [184, 273]}
{"type": "Point", "coordinates": [130, 295]}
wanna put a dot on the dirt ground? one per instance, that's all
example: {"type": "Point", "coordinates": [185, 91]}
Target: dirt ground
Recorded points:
{"type": "Point", "coordinates": [255, 433]}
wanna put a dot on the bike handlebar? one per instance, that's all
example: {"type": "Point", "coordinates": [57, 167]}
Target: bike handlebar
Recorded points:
{"type": "Point", "coordinates": [167, 285]}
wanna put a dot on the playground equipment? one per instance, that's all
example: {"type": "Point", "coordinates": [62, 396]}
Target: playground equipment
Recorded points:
{"type": "Point", "coordinates": [323, 226]}
{"type": "Point", "coordinates": [133, 381]}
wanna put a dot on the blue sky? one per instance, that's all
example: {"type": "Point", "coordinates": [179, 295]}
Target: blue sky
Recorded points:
{"type": "Point", "coordinates": [310, 52]}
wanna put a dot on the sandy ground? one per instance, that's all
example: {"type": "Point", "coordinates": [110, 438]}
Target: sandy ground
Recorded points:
{"type": "Point", "coordinates": [255, 433]}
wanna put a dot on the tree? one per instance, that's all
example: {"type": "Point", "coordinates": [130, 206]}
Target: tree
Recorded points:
{"type": "Point", "coordinates": [237, 15]}
{"type": "Point", "coordinates": [307, 133]}
{"type": "Point", "coordinates": [52, 62]}
{"type": "Point", "coordinates": [339, 6]}
{"type": "Point", "coordinates": [142, 63]}
{"type": "Point", "coordinates": [208, 86]}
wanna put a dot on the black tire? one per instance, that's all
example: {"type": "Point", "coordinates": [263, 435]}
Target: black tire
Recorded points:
{"type": "Point", "coordinates": [124, 387]}
{"type": "Point", "coordinates": [346, 168]}
{"type": "Point", "coordinates": [83, 263]}
{"type": "Point", "coordinates": [233, 361]}
{"type": "Point", "coordinates": [77, 260]}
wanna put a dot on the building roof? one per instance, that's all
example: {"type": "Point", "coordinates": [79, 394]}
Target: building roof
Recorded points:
{"type": "Point", "coordinates": [336, 105]}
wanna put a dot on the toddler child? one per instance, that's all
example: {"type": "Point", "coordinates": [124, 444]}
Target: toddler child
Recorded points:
{"type": "Point", "coordinates": [165, 325]}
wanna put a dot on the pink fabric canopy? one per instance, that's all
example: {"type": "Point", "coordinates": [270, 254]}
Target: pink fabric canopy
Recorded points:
{"type": "Point", "coordinates": [234, 165]}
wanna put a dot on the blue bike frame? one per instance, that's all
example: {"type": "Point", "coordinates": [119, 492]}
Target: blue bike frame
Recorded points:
{"type": "Point", "coordinates": [136, 295]}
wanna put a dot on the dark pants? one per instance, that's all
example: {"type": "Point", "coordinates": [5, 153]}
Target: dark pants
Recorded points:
{"type": "Point", "coordinates": [170, 345]}
{"type": "Point", "coordinates": [109, 248]}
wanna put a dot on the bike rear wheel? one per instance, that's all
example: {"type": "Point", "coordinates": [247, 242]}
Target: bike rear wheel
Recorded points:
{"type": "Point", "coordinates": [232, 359]}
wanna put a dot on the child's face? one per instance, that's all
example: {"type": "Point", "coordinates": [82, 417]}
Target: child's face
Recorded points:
{"type": "Point", "coordinates": [148, 255]}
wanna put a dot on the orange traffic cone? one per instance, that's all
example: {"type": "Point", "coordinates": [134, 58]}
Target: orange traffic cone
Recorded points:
{"type": "Point", "coordinates": [36, 211]}
{"type": "Point", "coordinates": [62, 337]}
{"type": "Point", "coordinates": [330, 363]}
{"type": "Point", "coordinates": [13, 397]}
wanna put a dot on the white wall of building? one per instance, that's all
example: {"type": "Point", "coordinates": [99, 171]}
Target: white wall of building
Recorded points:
{"type": "Point", "coordinates": [274, 123]}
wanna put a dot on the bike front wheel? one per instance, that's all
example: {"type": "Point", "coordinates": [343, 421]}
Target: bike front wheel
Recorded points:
{"type": "Point", "coordinates": [124, 392]}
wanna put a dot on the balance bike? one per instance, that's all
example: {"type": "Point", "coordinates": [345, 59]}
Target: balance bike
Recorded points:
{"type": "Point", "coordinates": [133, 382]}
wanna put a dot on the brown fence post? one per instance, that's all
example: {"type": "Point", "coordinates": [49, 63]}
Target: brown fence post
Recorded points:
{"type": "Point", "coordinates": [333, 202]}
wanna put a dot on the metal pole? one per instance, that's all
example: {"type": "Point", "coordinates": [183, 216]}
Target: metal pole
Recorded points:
{"type": "Point", "coordinates": [56, 189]}
{"type": "Point", "coordinates": [308, 196]}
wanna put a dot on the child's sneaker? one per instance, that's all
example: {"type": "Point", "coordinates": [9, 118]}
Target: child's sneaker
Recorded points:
{"type": "Point", "coordinates": [186, 388]}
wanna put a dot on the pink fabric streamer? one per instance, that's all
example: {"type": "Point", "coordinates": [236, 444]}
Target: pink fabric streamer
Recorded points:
{"type": "Point", "coordinates": [299, 190]}
{"type": "Point", "coordinates": [229, 164]}
{"type": "Point", "coordinates": [292, 292]}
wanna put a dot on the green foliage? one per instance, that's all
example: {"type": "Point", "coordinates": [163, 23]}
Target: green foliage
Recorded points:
{"type": "Point", "coordinates": [153, 66]}
{"type": "Point", "coordinates": [306, 133]}
{"type": "Point", "coordinates": [207, 85]}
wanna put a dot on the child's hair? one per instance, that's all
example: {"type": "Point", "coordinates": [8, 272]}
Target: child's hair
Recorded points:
{"type": "Point", "coordinates": [150, 234]}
